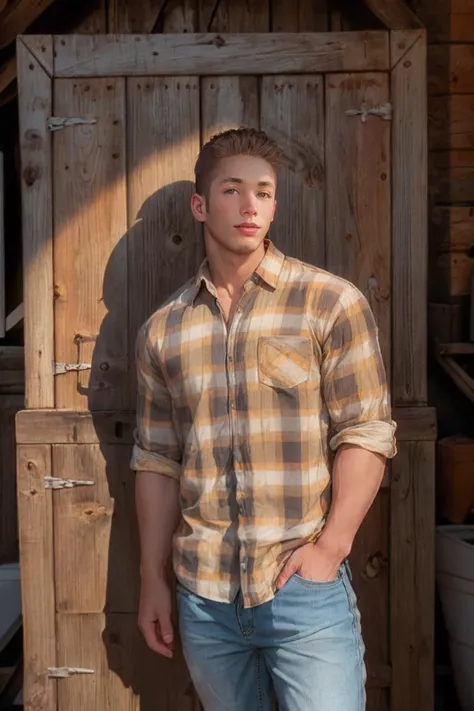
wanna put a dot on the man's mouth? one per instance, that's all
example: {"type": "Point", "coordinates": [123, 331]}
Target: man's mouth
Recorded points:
{"type": "Point", "coordinates": [248, 228]}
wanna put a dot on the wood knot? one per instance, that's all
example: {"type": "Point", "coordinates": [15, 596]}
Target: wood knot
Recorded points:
{"type": "Point", "coordinates": [374, 566]}
{"type": "Point", "coordinates": [218, 41]}
{"type": "Point", "coordinates": [31, 175]}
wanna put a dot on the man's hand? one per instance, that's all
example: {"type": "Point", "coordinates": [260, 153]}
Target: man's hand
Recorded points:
{"type": "Point", "coordinates": [154, 615]}
{"type": "Point", "coordinates": [313, 561]}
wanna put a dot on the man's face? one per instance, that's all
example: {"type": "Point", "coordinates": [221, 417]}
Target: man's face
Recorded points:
{"type": "Point", "coordinates": [241, 204]}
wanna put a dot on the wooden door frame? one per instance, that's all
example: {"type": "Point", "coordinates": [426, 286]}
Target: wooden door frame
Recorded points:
{"type": "Point", "coordinates": [402, 53]}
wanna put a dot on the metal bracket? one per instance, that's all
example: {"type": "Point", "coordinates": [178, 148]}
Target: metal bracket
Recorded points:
{"type": "Point", "coordinates": [56, 123]}
{"type": "Point", "coordinates": [61, 368]}
{"type": "Point", "coordinates": [63, 672]}
{"type": "Point", "coordinates": [384, 111]}
{"type": "Point", "coordinates": [55, 482]}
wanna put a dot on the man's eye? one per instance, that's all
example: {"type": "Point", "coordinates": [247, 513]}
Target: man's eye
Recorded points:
{"type": "Point", "coordinates": [230, 191]}
{"type": "Point", "coordinates": [265, 195]}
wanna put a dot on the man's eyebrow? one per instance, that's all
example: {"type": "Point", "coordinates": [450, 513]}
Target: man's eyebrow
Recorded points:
{"type": "Point", "coordinates": [261, 184]}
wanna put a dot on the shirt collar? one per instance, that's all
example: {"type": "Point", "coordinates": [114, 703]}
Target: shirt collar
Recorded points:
{"type": "Point", "coordinates": [268, 270]}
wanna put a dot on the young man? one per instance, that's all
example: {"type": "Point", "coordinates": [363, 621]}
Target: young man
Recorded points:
{"type": "Point", "coordinates": [249, 378]}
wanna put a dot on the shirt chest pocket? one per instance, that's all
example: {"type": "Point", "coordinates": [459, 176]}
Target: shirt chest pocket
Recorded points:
{"type": "Point", "coordinates": [284, 361]}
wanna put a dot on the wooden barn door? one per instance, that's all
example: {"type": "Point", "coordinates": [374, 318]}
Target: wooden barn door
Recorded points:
{"type": "Point", "coordinates": [115, 126]}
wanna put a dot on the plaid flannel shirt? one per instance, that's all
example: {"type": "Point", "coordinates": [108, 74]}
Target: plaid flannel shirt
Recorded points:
{"type": "Point", "coordinates": [245, 417]}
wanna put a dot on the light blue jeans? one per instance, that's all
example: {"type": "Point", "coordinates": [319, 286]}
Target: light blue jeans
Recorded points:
{"type": "Point", "coordinates": [306, 643]}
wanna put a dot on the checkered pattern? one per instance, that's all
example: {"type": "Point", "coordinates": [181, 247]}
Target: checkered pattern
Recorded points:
{"type": "Point", "coordinates": [245, 416]}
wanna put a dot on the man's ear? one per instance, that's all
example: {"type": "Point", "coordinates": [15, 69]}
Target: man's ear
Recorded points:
{"type": "Point", "coordinates": [198, 207]}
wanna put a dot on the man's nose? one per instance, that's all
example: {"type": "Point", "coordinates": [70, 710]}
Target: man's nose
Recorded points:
{"type": "Point", "coordinates": [249, 208]}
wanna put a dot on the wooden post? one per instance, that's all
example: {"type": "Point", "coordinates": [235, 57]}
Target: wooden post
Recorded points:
{"type": "Point", "coordinates": [35, 107]}
{"type": "Point", "coordinates": [412, 547]}
{"type": "Point", "coordinates": [409, 217]}
{"type": "Point", "coordinates": [35, 509]}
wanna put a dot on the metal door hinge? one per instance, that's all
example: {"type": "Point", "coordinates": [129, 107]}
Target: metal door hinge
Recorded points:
{"type": "Point", "coordinates": [63, 672]}
{"type": "Point", "coordinates": [56, 123]}
{"type": "Point", "coordinates": [55, 482]}
{"type": "Point", "coordinates": [384, 111]}
{"type": "Point", "coordinates": [61, 368]}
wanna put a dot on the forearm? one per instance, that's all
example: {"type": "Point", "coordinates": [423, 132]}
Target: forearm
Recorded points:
{"type": "Point", "coordinates": [357, 475]}
{"type": "Point", "coordinates": [158, 513]}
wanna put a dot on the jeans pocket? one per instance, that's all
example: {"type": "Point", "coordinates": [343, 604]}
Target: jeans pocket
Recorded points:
{"type": "Point", "coordinates": [322, 584]}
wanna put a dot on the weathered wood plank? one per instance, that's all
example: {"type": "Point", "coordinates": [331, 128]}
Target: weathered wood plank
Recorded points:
{"type": "Point", "coordinates": [18, 16]}
{"type": "Point", "coordinates": [116, 427]}
{"type": "Point", "coordinates": [127, 675]}
{"type": "Point", "coordinates": [75, 427]}
{"type": "Point", "coordinates": [247, 53]}
{"type": "Point", "coordinates": [405, 39]}
{"type": "Point", "coordinates": [125, 16]}
{"type": "Point", "coordinates": [412, 584]}
{"type": "Point", "coordinates": [37, 576]}
{"type": "Point", "coordinates": [9, 406]}
{"type": "Point", "coordinates": [446, 323]}
{"type": "Point", "coordinates": [370, 570]}
{"type": "Point", "coordinates": [451, 69]}
{"type": "Point", "coordinates": [292, 113]}
{"type": "Point", "coordinates": [451, 176]}
{"type": "Point", "coordinates": [395, 14]}
{"type": "Point", "coordinates": [451, 122]}
{"type": "Point", "coordinates": [90, 223]}
{"type": "Point", "coordinates": [358, 192]}
{"type": "Point", "coordinates": [41, 47]}
{"type": "Point", "coordinates": [448, 26]}
{"type": "Point", "coordinates": [95, 21]}
{"type": "Point", "coordinates": [409, 225]}
{"type": "Point", "coordinates": [300, 16]}
{"type": "Point", "coordinates": [228, 102]}
{"type": "Point", "coordinates": [165, 242]}
{"type": "Point", "coordinates": [35, 107]}
{"type": "Point", "coordinates": [95, 533]}
{"type": "Point", "coordinates": [450, 275]}
{"type": "Point", "coordinates": [180, 16]}
{"type": "Point", "coordinates": [231, 16]}
{"type": "Point", "coordinates": [452, 228]}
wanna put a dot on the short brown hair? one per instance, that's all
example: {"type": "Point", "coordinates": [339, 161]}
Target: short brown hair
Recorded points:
{"type": "Point", "coordinates": [234, 142]}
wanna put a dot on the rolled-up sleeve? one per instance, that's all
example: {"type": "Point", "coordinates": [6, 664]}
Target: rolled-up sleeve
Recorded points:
{"type": "Point", "coordinates": [354, 381]}
{"type": "Point", "coordinates": [156, 446]}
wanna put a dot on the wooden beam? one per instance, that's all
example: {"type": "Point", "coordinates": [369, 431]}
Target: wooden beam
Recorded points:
{"type": "Point", "coordinates": [204, 54]}
{"type": "Point", "coordinates": [456, 349]}
{"type": "Point", "coordinates": [35, 107]}
{"type": "Point", "coordinates": [15, 317]}
{"type": "Point", "coordinates": [7, 73]}
{"type": "Point", "coordinates": [409, 224]}
{"type": "Point", "coordinates": [35, 514]}
{"type": "Point", "coordinates": [116, 427]}
{"type": "Point", "coordinates": [18, 16]}
{"type": "Point", "coordinates": [395, 14]}
{"type": "Point", "coordinates": [412, 577]}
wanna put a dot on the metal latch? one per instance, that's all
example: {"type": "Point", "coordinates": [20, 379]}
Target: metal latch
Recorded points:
{"type": "Point", "coordinates": [384, 111]}
{"type": "Point", "coordinates": [55, 482]}
{"type": "Point", "coordinates": [61, 368]}
{"type": "Point", "coordinates": [56, 123]}
{"type": "Point", "coordinates": [63, 672]}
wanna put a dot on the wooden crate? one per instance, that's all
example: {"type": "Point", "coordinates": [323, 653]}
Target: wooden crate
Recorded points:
{"type": "Point", "coordinates": [119, 187]}
{"type": "Point", "coordinates": [452, 251]}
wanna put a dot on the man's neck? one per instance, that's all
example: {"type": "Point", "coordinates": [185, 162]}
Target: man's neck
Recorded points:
{"type": "Point", "coordinates": [231, 271]}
